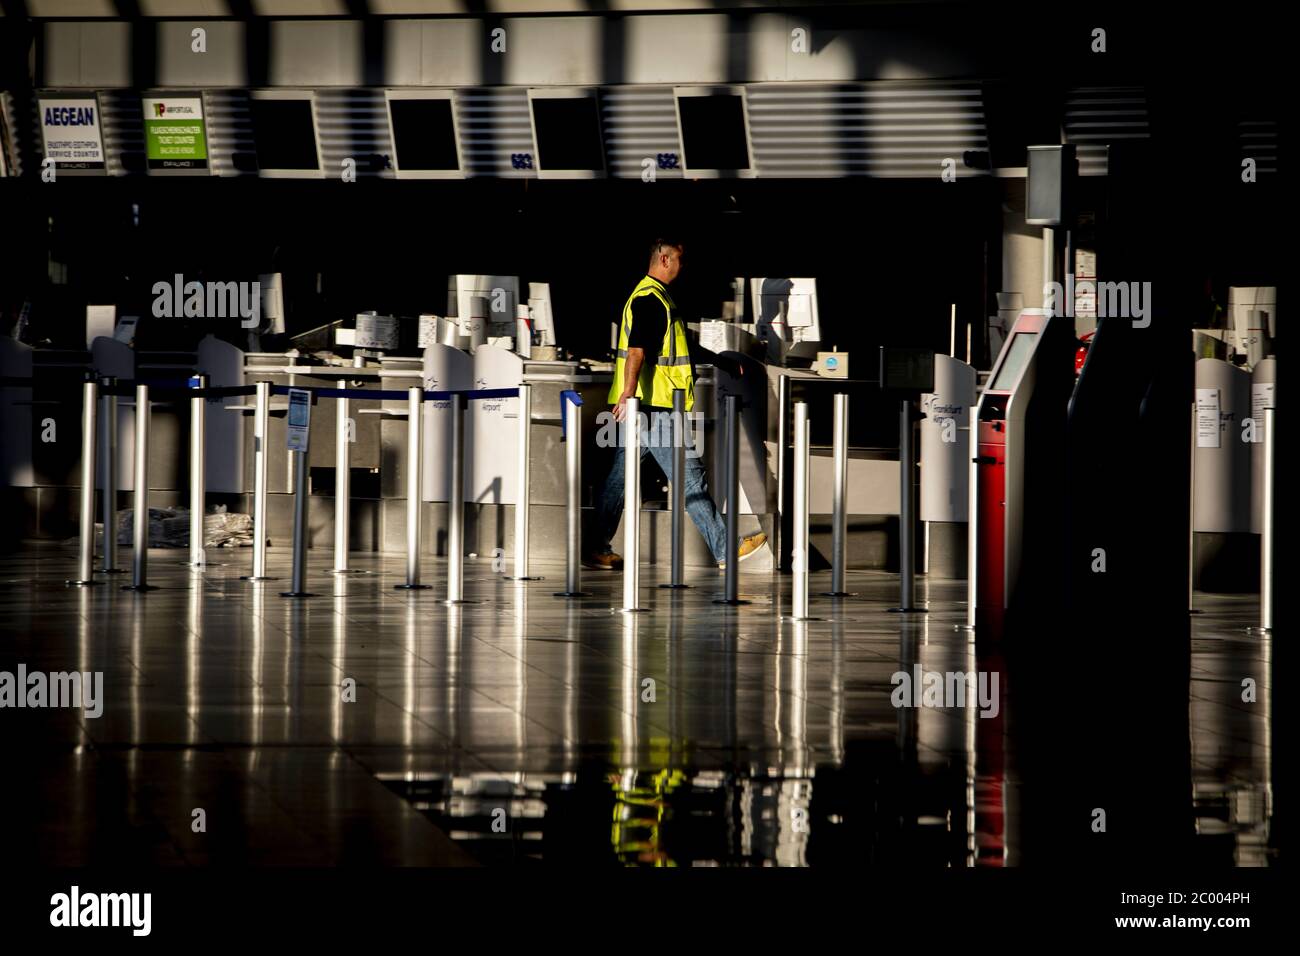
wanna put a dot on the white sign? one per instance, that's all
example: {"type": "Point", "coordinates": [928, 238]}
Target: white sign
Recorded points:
{"type": "Point", "coordinates": [376, 332]}
{"type": "Point", "coordinates": [1207, 418]}
{"type": "Point", "coordinates": [428, 334]}
{"type": "Point", "coordinates": [1261, 397]}
{"type": "Point", "coordinates": [100, 320]}
{"type": "Point", "coordinates": [71, 133]}
{"type": "Point", "coordinates": [299, 419]}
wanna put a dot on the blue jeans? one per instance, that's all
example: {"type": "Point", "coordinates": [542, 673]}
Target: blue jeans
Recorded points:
{"type": "Point", "coordinates": [699, 503]}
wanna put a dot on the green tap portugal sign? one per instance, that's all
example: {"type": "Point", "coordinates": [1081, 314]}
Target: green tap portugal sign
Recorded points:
{"type": "Point", "coordinates": [174, 133]}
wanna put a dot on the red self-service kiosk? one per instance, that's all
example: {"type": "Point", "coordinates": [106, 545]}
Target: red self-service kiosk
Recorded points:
{"type": "Point", "coordinates": [1017, 492]}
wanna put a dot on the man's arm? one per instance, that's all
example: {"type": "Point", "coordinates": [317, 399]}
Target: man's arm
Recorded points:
{"type": "Point", "coordinates": [631, 371]}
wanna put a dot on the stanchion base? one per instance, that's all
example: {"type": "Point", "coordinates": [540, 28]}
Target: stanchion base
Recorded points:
{"type": "Point", "coordinates": [345, 571]}
{"type": "Point", "coordinates": [113, 571]}
{"type": "Point", "coordinates": [536, 577]}
{"type": "Point", "coordinates": [139, 587]}
{"type": "Point", "coordinates": [1260, 631]}
{"type": "Point", "coordinates": [80, 584]}
{"type": "Point", "coordinates": [628, 610]}
{"type": "Point", "coordinates": [908, 610]}
{"type": "Point", "coordinates": [838, 593]}
{"type": "Point", "coordinates": [798, 620]}
{"type": "Point", "coordinates": [296, 594]}
{"type": "Point", "coordinates": [674, 587]}
{"type": "Point", "coordinates": [249, 577]}
{"type": "Point", "coordinates": [456, 603]}
{"type": "Point", "coordinates": [571, 594]}
{"type": "Point", "coordinates": [412, 587]}
{"type": "Point", "coordinates": [736, 603]}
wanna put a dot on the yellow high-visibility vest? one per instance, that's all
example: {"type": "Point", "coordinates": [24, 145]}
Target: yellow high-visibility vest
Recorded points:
{"type": "Point", "coordinates": [656, 382]}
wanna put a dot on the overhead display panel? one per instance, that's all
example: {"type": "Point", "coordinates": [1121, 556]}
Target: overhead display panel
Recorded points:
{"type": "Point", "coordinates": [566, 128]}
{"type": "Point", "coordinates": [715, 131]}
{"type": "Point", "coordinates": [284, 130]}
{"type": "Point", "coordinates": [425, 136]}
{"type": "Point", "coordinates": [175, 137]}
{"type": "Point", "coordinates": [71, 133]}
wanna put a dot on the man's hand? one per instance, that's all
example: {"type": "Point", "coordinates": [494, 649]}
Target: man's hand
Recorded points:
{"type": "Point", "coordinates": [620, 409]}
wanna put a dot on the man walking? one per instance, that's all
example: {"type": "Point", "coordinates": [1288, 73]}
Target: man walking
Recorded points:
{"type": "Point", "coordinates": [653, 360]}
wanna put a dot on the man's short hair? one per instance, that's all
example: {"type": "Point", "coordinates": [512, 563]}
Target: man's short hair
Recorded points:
{"type": "Point", "coordinates": [660, 244]}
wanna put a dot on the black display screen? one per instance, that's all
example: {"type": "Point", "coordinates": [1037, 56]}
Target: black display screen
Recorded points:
{"type": "Point", "coordinates": [713, 132]}
{"type": "Point", "coordinates": [284, 134]}
{"type": "Point", "coordinates": [568, 133]}
{"type": "Point", "coordinates": [424, 134]}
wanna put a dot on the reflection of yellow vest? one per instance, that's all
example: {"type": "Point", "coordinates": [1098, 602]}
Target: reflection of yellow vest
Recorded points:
{"type": "Point", "coordinates": [656, 382]}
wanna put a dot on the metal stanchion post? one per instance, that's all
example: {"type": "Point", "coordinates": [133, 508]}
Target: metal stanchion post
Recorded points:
{"type": "Point", "coordinates": [521, 495]}
{"type": "Point", "coordinates": [631, 505]}
{"type": "Point", "coordinates": [414, 487]}
{"type": "Point", "coordinates": [109, 498]}
{"type": "Point", "coordinates": [907, 513]}
{"type": "Point", "coordinates": [298, 581]}
{"type": "Point", "coordinates": [572, 412]}
{"type": "Point", "coordinates": [198, 469]}
{"type": "Point", "coordinates": [731, 576]}
{"type": "Point", "coordinates": [140, 514]}
{"type": "Point", "coordinates": [456, 505]}
{"type": "Point", "coordinates": [678, 482]}
{"type": "Point", "coordinates": [799, 552]}
{"type": "Point", "coordinates": [261, 434]}
{"type": "Point", "coordinates": [89, 436]}
{"type": "Point", "coordinates": [840, 505]}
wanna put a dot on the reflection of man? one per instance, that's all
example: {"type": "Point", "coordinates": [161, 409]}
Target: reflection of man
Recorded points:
{"type": "Point", "coordinates": [654, 360]}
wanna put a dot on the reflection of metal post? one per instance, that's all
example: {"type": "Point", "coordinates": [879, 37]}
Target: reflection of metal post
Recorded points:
{"type": "Point", "coordinates": [414, 487]}
{"type": "Point", "coordinates": [839, 506]}
{"type": "Point", "coordinates": [678, 481]}
{"type": "Point", "coordinates": [456, 504]}
{"type": "Point", "coordinates": [342, 484]}
{"type": "Point", "coordinates": [109, 503]}
{"type": "Point", "coordinates": [261, 426]}
{"type": "Point", "coordinates": [198, 469]}
{"type": "Point", "coordinates": [799, 598]}
{"type": "Point", "coordinates": [1191, 524]}
{"type": "Point", "coordinates": [298, 587]}
{"type": "Point", "coordinates": [1266, 537]}
{"type": "Point", "coordinates": [89, 438]}
{"type": "Point", "coordinates": [140, 516]}
{"type": "Point", "coordinates": [906, 512]}
{"type": "Point", "coordinates": [631, 503]}
{"type": "Point", "coordinates": [731, 579]}
{"type": "Point", "coordinates": [521, 497]}
{"type": "Point", "coordinates": [572, 411]}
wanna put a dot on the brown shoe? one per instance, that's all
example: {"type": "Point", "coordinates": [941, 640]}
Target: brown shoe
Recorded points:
{"type": "Point", "coordinates": [605, 561]}
{"type": "Point", "coordinates": [748, 545]}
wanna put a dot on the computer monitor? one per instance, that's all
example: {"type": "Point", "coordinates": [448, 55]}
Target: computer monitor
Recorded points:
{"type": "Point", "coordinates": [284, 129]}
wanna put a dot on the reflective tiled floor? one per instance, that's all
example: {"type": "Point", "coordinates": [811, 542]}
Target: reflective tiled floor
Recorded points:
{"type": "Point", "coordinates": [526, 728]}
